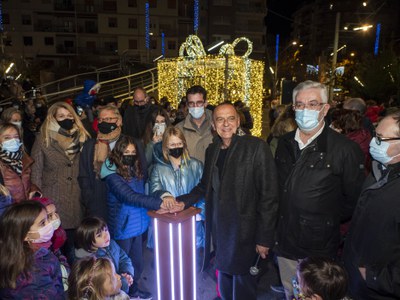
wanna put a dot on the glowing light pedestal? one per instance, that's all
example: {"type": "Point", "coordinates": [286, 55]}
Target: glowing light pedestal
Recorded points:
{"type": "Point", "coordinates": [175, 254]}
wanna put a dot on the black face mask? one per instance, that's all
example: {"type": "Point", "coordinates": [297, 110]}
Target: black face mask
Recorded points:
{"type": "Point", "coordinates": [106, 128]}
{"type": "Point", "coordinates": [129, 160]}
{"type": "Point", "coordinates": [66, 124]}
{"type": "Point", "coordinates": [176, 152]}
{"type": "Point", "coordinates": [142, 107]}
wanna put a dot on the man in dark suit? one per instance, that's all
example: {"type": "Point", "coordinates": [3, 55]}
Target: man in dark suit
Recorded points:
{"type": "Point", "coordinates": [240, 186]}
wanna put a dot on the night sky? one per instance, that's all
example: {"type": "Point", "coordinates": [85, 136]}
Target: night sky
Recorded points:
{"type": "Point", "coordinates": [279, 15]}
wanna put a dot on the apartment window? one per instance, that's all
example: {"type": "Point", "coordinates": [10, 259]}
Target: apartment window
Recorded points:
{"type": "Point", "coordinates": [28, 41]}
{"type": "Point", "coordinates": [6, 19]}
{"type": "Point", "coordinates": [44, 25]}
{"type": "Point", "coordinates": [110, 5]}
{"type": "Point", "coordinates": [8, 41]}
{"type": "Point", "coordinates": [222, 2]}
{"type": "Point", "coordinates": [68, 44]}
{"type": "Point", "coordinates": [112, 22]}
{"type": "Point", "coordinates": [26, 20]}
{"type": "Point", "coordinates": [222, 20]}
{"type": "Point", "coordinates": [171, 45]}
{"type": "Point", "coordinates": [132, 23]}
{"type": "Point", "coordinates": [132, 3]}
{"type": "Point", "coordinates": [172, 4]}
{"type": "Point", "coordinates": [91, 45]}
{"type": "Point", "coordinates": [153, 3]}
{"type": "Point", "coordinates": [90, 27]}
{"type": "Point", "coordinates": [111, 46]}
{"type": "Point", "coordinates": [132, 44]}
{"type": "Point", "coordinates": [49, 41]}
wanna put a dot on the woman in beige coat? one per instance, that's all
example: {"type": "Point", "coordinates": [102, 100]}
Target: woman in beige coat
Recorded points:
{"type": "Point", "coordinates": [56, 153]}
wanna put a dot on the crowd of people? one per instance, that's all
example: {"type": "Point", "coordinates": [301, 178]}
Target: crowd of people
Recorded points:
{"type": "Point", "coordinates": [320, 196]}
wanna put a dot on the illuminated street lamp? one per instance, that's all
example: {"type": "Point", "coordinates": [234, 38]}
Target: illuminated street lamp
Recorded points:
{"type": "Point", "coordinates": [335, 51]}
{"type": "Point", "coordinates": [9, 67]}
{"type": "Point", "coordinates": [363, 28]}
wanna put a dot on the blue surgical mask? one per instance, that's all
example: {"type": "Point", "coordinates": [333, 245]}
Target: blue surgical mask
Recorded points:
{"type": "Point", "coordinates": [196, 112]}
{"type": "Point", "coordinates": [307, 119]}
{"type": "Point", "coordinates": [12, 145]}
{"type": "Point", "coordinates": [379, 152]}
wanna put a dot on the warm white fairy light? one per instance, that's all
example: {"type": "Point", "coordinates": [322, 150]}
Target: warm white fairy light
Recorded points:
{"type": "Point", "coordinates": [194, 66]}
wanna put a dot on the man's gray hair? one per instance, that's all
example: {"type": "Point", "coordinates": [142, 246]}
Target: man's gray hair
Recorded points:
{"type": "Point", "coordinates": [111, 108]}
{"type": "Point", "coordinates": [309, 84]}
{"type": "Point", "coordinates": [357, 104]}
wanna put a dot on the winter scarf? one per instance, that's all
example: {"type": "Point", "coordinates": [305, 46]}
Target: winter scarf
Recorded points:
{"type": "Point", "coordinates": [102, 148]}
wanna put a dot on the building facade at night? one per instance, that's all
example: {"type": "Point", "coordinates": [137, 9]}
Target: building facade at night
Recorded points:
{"type": "Point", "coordinates": [59, 31]}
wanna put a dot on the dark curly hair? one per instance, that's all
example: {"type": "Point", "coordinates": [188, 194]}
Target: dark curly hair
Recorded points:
{"type": "Point", "coordinates": [117, 153]}
{"type": "Point", "coordinates": [347, 120]}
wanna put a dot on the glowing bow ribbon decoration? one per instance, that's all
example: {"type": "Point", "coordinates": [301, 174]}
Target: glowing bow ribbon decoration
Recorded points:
{"type": "Point", "coordinates": [193, 46]}
{"type": "Point", "coordinates": [229, 49]}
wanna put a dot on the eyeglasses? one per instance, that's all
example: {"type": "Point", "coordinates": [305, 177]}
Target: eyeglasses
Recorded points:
{"type": "Point", "coordinates": [107, 120]}
{"type": "Point", "coordinates": [139, 102]}
{"type": "Point", "coordinates": [196, 104]}
{"type": "Point", "coordinates": [310, 105]}
{"type": "Point", "coordinates": [379, 140]}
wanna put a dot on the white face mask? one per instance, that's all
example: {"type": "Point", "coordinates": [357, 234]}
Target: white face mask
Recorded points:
{"type": "Point", "coordinates": [56, 224]}
{"type": "Point", "coordinates": [159, 128]}
{"type": "Point", "coordinates": [45, 234]}
{"type": "Point", "coordinates": [17, 123]}
{"type": "Point", "coordinates": [196, 112]}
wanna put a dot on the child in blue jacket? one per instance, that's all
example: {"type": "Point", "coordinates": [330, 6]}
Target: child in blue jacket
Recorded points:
{"type": "Point", "coordinates": [93, 239]}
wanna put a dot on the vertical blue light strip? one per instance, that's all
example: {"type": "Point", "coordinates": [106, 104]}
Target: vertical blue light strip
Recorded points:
{"type": "Point", "coordinates": [163, 43]}
{"type": "Point", "coordinates": [378, 32]}
{"type": "Point", "coordinates": [196, 16]}
{"type": "Point", "coordinates": [147, 24]}
{"type": "Point", "coordinates": [1, 17]}
{"type": "Point", "coordinates": [277, 48]}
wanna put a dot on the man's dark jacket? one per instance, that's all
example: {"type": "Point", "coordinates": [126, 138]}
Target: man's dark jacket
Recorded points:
{"type": "Point", "coordinates": [319, 187]}
{"type": "Point", "coordinates": [93, 189]}
{"type": "Point", "coordinates": [374, 238]}
{"type": "Point", "coordinates": [247, 204]}
{"type": "Point", "coordinates": [136, 118]}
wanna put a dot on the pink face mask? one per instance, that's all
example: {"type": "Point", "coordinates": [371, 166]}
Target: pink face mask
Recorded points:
{"type": "Point", "coordinates": [45, 234]}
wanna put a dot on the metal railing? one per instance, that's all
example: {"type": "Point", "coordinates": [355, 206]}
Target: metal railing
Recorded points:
{"type": "Point", "coordinates": [121, 87]}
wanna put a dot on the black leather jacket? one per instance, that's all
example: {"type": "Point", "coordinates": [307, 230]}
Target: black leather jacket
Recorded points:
{"type": "Point", "coordinates": [319, 187]}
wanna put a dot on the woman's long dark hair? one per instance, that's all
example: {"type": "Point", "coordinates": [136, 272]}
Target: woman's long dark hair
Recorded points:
{"type": "Point", "coordinates": [148, 132]}
{"type": "Point", "coordinates": [116, 158]}
{"type": "Point", "coordinates": [16, 255]}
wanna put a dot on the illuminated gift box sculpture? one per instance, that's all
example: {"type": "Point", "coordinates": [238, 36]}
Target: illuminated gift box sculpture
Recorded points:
{"type": "Point", "coordinates": [175, 254]}
{"type": "Point", "coordinates": [225, 76]}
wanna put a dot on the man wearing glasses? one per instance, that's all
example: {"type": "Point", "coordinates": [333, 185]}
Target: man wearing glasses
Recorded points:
{"type": "Point", "coordinates": [372, 249]}
{"type": "Point", "coordinates": [320, 173]}
{"type": "Point", "coordinates": [94, 153]}
{"type": "Point", "coordinates": [196, 127]}
{"type": "Point", "coordinates": [137, 116]}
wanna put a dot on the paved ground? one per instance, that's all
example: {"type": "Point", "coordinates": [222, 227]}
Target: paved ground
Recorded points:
{"type": "Point", "coordinates": [206, 281]}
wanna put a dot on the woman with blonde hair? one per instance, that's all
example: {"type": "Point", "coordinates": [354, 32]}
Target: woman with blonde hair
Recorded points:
{"type": "Point", "coordinates": [56, 153]}
{"type": "Point", "coordinates": [176, 172]}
